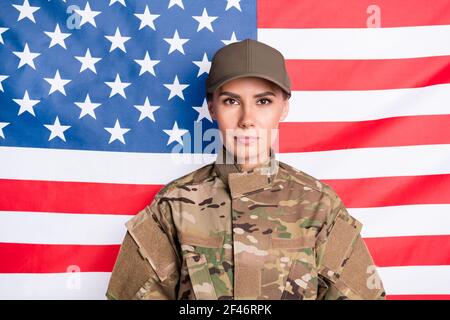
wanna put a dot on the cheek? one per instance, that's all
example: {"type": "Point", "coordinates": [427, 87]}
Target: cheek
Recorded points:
{"type": "Point", "coordinates": [269, 118]}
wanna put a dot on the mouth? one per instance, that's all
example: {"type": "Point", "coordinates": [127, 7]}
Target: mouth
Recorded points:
{"type": "Point", "coordinates": [246, 140]}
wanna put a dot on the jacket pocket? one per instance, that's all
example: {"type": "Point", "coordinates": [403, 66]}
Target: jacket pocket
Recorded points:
{"type": "Point", "coordinates": [200, 277]}
{"type": "Point", "coordinates": [301, 282]}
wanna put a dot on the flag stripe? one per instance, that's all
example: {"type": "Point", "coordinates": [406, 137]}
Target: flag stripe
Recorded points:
{"type": "Point", "coordinates": [96, 229]}
{"type": "Point", "coordinates": [358, 43]}
{"type": "Point", "coordinates": [396, 221]}
{"type": "Point", "coordinates": [418, 297]}
{"type": "Point", "coordinates": [416, 279]}
{"type": "Point", "coordinates": [384, 73]}
{"type": "Point", "coordinates": [55, 286]}
{"type": "Point", "coordinates": [372, 162]}
{"type": "Point", "coordinates": [92, 285]}
{"type": "Point", "coordinates": [97, 166]}
{"type": "Point", "coordinates": [50, 258]}
{"type": "Point", "coordinates": [92, 166]}
{"type": "Point", "coordinates": [62, 228]}
{"type": "Point", "coordinates": [98, 198]}
{"type": "Point", "coordinates": [397, 131]}
{"type": "Point", "coordinates": [345, 105]}
{"type": "Point", "coordinates": [391, 191]}
{"type": "Point", "coordinates": [112, 199]}
{"type": "Point", "coordinates": [350, 13]}
{"type": "Point", "coordinates": [409, 251]}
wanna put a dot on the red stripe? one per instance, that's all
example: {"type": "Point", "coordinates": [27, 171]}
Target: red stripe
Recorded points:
{"type": "Point", "coordinates": [418, 297]}
{"type": "Point", "coordinates": [350, 13]}
{"type": "Point", "coordinates": [388, 132]}
{"type": "Point", "coordinates": [74, 197]}
{"type": "Point", "coordinates": [409, 251]}
{"type": "Point", "coordinates": [20, 195]}
{"type": "Point", "coordinates": [43, 258]}
{"type": "Point", "coordinates": [392, 191]}
{"type": "Point", "coordinates": [368, 74]}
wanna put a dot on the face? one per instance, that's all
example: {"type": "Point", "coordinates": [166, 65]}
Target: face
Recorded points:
{"type": "Point", "coordinates": [248, 111]}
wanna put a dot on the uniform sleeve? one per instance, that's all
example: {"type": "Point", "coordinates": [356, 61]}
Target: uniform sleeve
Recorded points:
{"type": "Point", "coordinates": [147, 266]}
{"type": "Point", "coordinates": [346, 269]}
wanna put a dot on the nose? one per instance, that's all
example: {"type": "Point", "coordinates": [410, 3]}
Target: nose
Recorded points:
{"type": "Point", "coordinates": [246, 119]}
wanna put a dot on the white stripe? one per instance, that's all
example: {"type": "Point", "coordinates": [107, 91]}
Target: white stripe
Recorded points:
{"type": "Point", "coordinates": [55, 286]}
{"type": "Point", "coordinates": [105, 229]}
{"type": "Point", "coordinates": [408, 220]}
{"type": "Point", "coordinates": [346, 105]}
{"type": "Point", "coordinates": [136, 168]}
{"type": "Point", "coordinates": [61, 228]}
{"type": "Point", "coordinates": [94, 166]}
{"type": "Point", "coordinates": [416, 279]}
{"type": "Point", "coordinates": [359, 43]}
{"type": "Point", "coordinates": [396, 280]}
{"type": "Point", "coordinates": [372, 162]}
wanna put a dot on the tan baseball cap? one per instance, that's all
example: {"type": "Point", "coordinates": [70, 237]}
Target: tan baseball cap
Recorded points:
{"type": "Point", "coordinates": [248, 58]}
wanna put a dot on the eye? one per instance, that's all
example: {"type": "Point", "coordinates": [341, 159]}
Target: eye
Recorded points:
{"type": "Point", "coordinates": [267, 101]}
{"type": "Point", "coordinates": [229, 100]}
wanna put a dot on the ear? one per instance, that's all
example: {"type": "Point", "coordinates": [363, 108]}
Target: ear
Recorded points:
{"type": "Point", "coordinates": [211, 110]}
{"type": "Point", "coordinates": [285, 110]}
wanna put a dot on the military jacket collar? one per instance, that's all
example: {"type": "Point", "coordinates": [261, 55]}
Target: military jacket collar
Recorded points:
{"type": "Point", "coordinates": [241, 182]}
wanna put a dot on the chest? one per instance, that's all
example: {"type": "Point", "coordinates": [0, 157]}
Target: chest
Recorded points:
{"type": "Point", "coordinates": [259, 246]}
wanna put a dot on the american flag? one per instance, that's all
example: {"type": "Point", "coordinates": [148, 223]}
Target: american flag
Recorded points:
{"type": "Point", "coordinates": [94, 96]}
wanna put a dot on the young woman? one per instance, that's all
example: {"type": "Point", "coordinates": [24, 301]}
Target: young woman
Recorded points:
{"type": "Point", "coordinates": [252, 227]}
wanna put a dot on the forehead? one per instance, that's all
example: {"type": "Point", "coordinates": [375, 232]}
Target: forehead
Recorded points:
{"type": "Point", "coordinates": [249, 83]}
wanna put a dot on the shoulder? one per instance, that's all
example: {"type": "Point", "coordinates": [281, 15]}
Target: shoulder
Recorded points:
{"type": "Point", "coordinates": [307, 181]}
{"type": "Point", "coordinates": [190, 179]}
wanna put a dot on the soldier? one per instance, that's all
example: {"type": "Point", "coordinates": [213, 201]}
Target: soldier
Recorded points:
{"type": "Point", "coordinates": [245, 229]}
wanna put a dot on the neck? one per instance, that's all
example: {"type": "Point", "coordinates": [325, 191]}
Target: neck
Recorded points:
{"type": "Point", "coordinates": [248, 165]}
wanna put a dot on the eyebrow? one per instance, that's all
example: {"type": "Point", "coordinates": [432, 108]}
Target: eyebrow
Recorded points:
{"type": "Point", "coordinates": [236, 96]}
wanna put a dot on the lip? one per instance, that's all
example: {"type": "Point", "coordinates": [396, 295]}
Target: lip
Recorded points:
{"type": "Point", "coordinates": [246, 140]}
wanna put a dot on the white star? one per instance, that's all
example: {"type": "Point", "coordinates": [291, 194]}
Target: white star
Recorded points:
{"type": "Point", "coordinates": [175, 134]}
{"type": "Point", "coordinates": [87, 15]}
{"type": "Point", "coordinates": [87, 107]}
{"type": "Point", "coordinates": [147, 110]}
{"type": "Point", "coordinates": [122, 2]}
{"type": "Point", "coordinates": [26, 104]}
{"type": "Point", "coordinates": [233, 39]}
{"type": "Point", "coordinates": [57, 37]}
{"type": "Point", "coordinates": [203, 111]}
{"type": "Point", "coordinates": [117, 87]}
{"type": "Point", "coordinates": [26, 11]}
{"type": "Point", "coordinates": [233, 3]}
{"type": "Point", "coordinates": [57, 84]}
{"type": "Point", "coordinates": [117, 132]}
{"type": "Point", "coordinates": [176, 2]}
{"type": "Point", "coordinates": [56, 129]}
{"type": "Point", "coordinates": [2, 125]}
{"type": "Point", "coordinates": [147, 18]}
{"type": "Point", "coordinates": [117, 41]}
{"type": "Point", "coordinates": [203, 65]}
{"type": "Point", "coordinates": [2, 77]}
{"type": "Point", "coordinates": [26, 57]}
{"type": "Point", "coordinates": [147, 64]}
{"type": "Point", "coordinates": [176, 43]}
{"type": "Point", "coordinates": [88, 62]}
{"type": "Point", "coordinates": [1, 31]}
{"type": "Point", "coordinates": [176, 89]}
{"type": "Point", "coordinates": [204, 21]}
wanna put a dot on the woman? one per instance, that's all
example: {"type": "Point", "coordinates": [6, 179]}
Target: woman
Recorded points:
{"type": "Point", "coordinates": [252, 227]}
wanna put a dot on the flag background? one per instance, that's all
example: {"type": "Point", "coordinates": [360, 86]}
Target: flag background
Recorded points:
{"type": "Point", "coordinates": [369, 116]}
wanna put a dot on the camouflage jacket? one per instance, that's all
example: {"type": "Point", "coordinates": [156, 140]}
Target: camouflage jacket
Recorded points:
{"type": "Point", "coordinates": [223, 233]}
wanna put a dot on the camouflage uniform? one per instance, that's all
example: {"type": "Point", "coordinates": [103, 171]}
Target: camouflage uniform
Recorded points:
{"type": "Point", "coordinates": [220, 233]}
